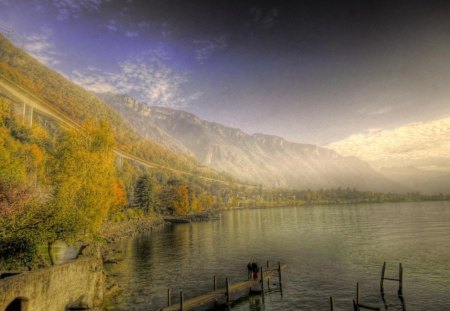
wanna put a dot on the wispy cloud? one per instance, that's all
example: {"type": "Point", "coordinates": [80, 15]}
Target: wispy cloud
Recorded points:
{"type": "Point", "coordinates": [264, 18]}
{"type": "Point", "coordinates": [40, 46]}
{"type": "Point", "coordinates": [146, 77]}
{"type": "Point", "coordinates": [73, 8]}
{"type": "Point", "coordinates": [380, 111]}
{"type": "Point", "coordinates": [205, 48]}
{"type": "Point", "coordinates": [131, 34]}
{"type": "Point", "coordinates": [370, 112]}
{"type": "Point", "coordinates": [112, 25]}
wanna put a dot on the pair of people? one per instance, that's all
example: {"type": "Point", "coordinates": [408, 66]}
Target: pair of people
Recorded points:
{"type": "Point", "coordinates": [252, 269]}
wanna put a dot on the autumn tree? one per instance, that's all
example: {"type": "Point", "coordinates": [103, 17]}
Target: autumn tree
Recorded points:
{"type": "Point", "coordinates": [180, 200]}
{"type": "Point", "coordinates": [83, 174]}
{"type": "Point", "coordinates": [21, 208]}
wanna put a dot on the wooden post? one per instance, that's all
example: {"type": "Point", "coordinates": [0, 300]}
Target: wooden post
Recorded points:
{"type": "Point", "coordinates": [279, 278]}
{"type": "Point", "coordinates": [357, 293]}
{"type": "Point", "coordinates": [355, 306]}
{"type": "Point", "coordinates": [262, 280]}
{"type": "Point", "coordinates": [215, 283]}
{"type": "Point", "coordinates": [169, 296]}
{"type": "Point", "coordinates": [400, 280]}
{"type": "Point", "coordinates": [227, 284]}
{"type": "Point", "coordinates": [331, 304]}
{"type": "Point", "coordinates": [383, 270]}
{"type": "Point", "coordinates": [181, 300]}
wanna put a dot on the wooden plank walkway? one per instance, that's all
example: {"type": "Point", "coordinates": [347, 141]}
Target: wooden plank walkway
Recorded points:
{"type": "Point", "coordinates": [219, 296]}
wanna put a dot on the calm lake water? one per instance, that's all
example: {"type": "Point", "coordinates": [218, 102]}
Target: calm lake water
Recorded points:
{"type": "Point", "coordinates": [327, 249]}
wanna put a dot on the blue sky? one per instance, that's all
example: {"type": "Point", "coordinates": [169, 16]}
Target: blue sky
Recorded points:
{"type": "Point", "coordinates": [310, 71]}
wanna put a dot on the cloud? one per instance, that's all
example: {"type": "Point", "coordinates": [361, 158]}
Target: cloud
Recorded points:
{"type": "Point", "coordinates": [132, 34]}
{"type": "Point", "coordinates": [380, 111]}
{"type": "Point", "coordinates": [264, 18]}
{"type": "Point", "coordinates": [415, 141]}
{"type": "Point", "coordinates": [145, 77]}
{"type": "Point", "coordinates": [40, 46]}
{"type": "Point", "coordinates": [112, 25]}
{"type": "Point", "coordinates": [205, 48]}
{"type": "Point", "coordinates": [376, 112]}
{"type": "Point", "coordinates": [67, 9]}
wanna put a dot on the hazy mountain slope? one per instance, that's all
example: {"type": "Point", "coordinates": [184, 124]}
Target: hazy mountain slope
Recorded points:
{"type": "Point", "coordinates": [265, 159]}
{"type": "Point", "coordinates": [425, 181]}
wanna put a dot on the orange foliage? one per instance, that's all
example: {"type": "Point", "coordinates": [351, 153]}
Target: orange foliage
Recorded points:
{"type": "Point", "coordinates": [37, 153]}
{"type": "Point", "coordinates": [119, 191]}
{"type": "Point", "coordinates": [181, 200]}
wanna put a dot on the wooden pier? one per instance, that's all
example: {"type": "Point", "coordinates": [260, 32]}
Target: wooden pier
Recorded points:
{"type": "Point", "coordinates": [231, 291]}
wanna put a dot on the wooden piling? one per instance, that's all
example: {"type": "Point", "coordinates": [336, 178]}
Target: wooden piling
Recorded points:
{"type": "Point", "coordinates": [355, 306]}
{"type": "Point", "coordinates": [181, 300]}
{"type": "Point", "coordinates": [262, 280]}
{"type": "Point", "coordinates": [357, 293]}
{"type": "Point", "coordinates": [331, 304]}
{"type": "Point", "coordinates": [383, 270]}
{"type": "Point", "coordinates": [227, 284]}
{"type": "Point", "coordinates": [169, 296]}
{"type": "Point", "coordinates": [279, 278]}
{"type": "Point", "coordinates": [400, 280]}
{"type": "Point", "coordinates": [215, 283]}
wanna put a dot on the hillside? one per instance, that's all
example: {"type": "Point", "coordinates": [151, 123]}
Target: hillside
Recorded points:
{"type": "Point", "coordinates": [265, 159]}
{"type": "Point", "coordinates": [425, 181]}
{"type": "Point", "coordinates": [78, 104]}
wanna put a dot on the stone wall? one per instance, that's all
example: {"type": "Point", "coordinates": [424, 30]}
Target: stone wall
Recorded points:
{"type": "Point", "coordinates": [79, 282]}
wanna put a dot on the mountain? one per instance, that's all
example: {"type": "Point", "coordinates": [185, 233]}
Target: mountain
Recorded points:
{"type": "Point", "coordinates": [35, 81]}
{"type": "Point", "coordinates": [265, 159]}
{"type": "Point", "coordinates": [425, 181]}
{"type": "Point", "coordinates": [416, 155]}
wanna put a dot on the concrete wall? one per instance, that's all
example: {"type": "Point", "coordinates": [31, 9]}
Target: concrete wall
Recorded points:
{"type": "Point", "coordinates": [57, 287]}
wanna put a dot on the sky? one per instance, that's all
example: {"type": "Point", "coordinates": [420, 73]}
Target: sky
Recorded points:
{"type": "Point", "coordinates": [309, 71]}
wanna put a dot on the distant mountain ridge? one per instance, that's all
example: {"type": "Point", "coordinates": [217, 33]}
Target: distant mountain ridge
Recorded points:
{"type": "Point", "coordinates": [266, 159]}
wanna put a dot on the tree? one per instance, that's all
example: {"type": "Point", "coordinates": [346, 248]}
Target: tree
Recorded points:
{"type": "Point", "coordinates": [144, 193]}
{"type": "Point", "coordinates": [180, 201]}
{"type": "Point", "coordinates": [21, 208]}
{"type": "Point", "coordinates": [84, 178]}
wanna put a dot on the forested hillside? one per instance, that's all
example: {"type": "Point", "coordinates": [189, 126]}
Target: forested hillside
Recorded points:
{"type": "Point", "coordinates": [79, 104]}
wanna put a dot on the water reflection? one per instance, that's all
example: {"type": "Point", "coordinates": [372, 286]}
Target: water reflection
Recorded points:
{"type": "Point", "coordinates": [327, 248]}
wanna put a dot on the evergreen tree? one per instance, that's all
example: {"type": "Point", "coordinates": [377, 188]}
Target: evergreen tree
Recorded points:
{"type": "Point", "coordinates": [144, 193]}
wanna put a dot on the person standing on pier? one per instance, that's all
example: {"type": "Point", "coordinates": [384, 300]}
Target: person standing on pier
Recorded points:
{"type": "Point", "coordinates": [249, 270]}
{"type": "Point", "coordinates": [255, 270]}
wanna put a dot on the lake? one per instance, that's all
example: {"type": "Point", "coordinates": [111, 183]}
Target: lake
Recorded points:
{"type": "Point", "coordinates": [327, 250]}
